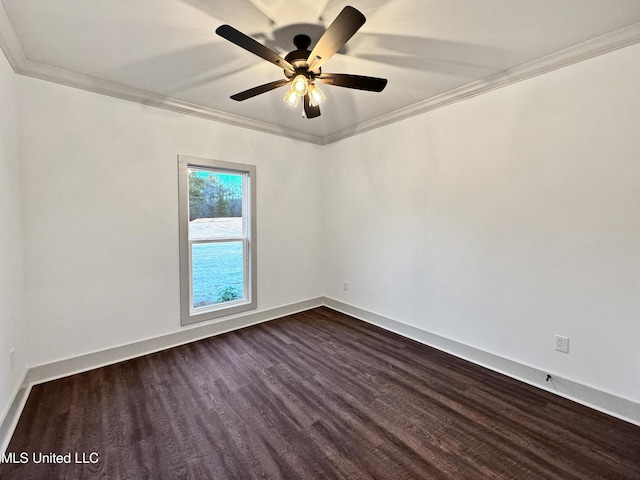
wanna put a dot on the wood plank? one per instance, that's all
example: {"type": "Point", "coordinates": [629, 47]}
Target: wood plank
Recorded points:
{"type": "Point", "coordinates": [314, 395]}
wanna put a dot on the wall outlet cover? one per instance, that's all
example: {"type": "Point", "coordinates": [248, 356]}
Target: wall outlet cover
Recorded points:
{"type": "Point", "coordinates": [561, 343]}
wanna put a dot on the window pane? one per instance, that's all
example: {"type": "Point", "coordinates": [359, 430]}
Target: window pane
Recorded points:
{"type": "Point", "coordinates": [215, 204]}
{"type": "Point", "coordinates": [217, 213]}
{"type": "Point", "coordinates": [217, 270]}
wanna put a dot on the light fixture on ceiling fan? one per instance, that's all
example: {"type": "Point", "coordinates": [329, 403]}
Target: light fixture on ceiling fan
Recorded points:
{"type": "Point", "coordinates": [302, 68]}
{"type": "Point", "coordinates": [299, 87]}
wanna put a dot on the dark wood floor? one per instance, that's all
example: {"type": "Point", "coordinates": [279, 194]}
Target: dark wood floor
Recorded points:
{"type": "Point", "coordinates": [317, 395]}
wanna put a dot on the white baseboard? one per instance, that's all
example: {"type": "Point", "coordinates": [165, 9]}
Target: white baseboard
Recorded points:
{"type": "Point", "coordinates": [618, 407]}
{"type": "Point", "coordinates": [608, 403]}
{"type": "Point", "coordinates": [71, 366]}
{"type": "Point", "coordinates": [90, 361]}
{"type": "Point", "coordinates": [10, 416]}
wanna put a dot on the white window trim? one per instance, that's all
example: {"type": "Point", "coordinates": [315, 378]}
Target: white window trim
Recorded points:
{"type": "Point", "coordinates": [188, 315]}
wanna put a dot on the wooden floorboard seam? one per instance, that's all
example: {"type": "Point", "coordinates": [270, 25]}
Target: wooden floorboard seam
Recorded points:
{"type": "Point", "coordinates": [313, 395]}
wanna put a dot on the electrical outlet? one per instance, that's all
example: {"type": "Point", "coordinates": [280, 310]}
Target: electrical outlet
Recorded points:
{"type": "Point", "coordinates": [561, 344]}
{"type": "Point", "coordinates": [345, 286]}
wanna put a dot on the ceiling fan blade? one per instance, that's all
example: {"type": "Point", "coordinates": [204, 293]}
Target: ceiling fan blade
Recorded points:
{"type": "Point", "coordinates": [359, 82]}
{"type": "Point", "coordinates": [346, 24]}
{"type": "Point", "coordinates": [249, 44]}
{"type": "Point", "coordinates": [252, 92]}
{"type": "Point", "coordinates": [309, 110]}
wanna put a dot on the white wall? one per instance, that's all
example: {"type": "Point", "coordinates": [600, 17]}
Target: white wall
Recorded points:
{"type": "Point", "coordinates": [11, 300]}
{"type": "Point", "coordinates": [503, 220]}
{"type": "Point", "coordinates": [496, 222]}
{"type": "Point", "coordinates": [101, 219]}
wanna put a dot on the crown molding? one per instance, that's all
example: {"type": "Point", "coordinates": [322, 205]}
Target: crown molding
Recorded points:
{"type": "Point", "coordinates": [53, 74]}
{"type": "Point", "coordinates": [606, 43]}
{"type": "Point", "coordinates": [9, 43]}
{"type": "Point", "coordinates": [21, 65]}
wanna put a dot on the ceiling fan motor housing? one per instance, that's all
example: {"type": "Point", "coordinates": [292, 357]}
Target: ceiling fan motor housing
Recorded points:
{"type": "Point", "coordinates": [298, 58]}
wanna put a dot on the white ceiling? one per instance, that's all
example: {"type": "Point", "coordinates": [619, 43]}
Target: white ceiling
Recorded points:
{"type": "Point", "coordinates": [433, 52]}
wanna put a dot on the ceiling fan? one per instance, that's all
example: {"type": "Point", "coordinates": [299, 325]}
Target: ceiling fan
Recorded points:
{"type": "Point", "coordinates": [302, 68]}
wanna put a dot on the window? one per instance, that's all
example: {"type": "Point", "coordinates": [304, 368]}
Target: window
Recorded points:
{"type": "Point", "coordinates": [217, 238]}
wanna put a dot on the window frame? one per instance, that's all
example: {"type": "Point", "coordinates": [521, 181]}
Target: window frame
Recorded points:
{"type": "Point", "coordinates": [189, 315]}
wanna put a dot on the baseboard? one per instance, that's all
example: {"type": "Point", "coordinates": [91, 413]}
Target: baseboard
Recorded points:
{"type": "Point", "coordinates": [71, 366]}
{"type": "Point", "coordinates": [591, 397]}
{"type": "Point", "coordinates": [83, 363]}
{"type": "Point", "coordinates": [10, 416]}
{"type": "Point", "coordinates": [618, 407]}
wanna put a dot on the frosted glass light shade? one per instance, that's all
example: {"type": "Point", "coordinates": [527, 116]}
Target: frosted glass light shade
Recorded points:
{"type": "Point", "coordinates": [316, 96]}
{"type": "Point", "coordinates": [291, 98]}
{"type": "Point", "coordinates": [300, 85]}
